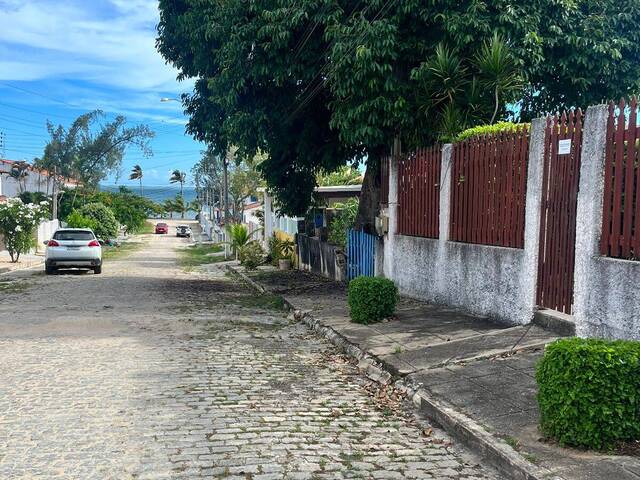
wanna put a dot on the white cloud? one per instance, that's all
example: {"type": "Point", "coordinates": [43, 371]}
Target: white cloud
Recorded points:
{"type": "Point", "coordinates": [76, 40]}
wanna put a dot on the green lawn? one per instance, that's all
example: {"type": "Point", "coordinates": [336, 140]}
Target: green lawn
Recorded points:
{"type": "Point", "coordinates": [149, 227]}
{"type": "Point", "coordinates": [200, 255]}
{"type": "Point", "coordinates": [116, 253]}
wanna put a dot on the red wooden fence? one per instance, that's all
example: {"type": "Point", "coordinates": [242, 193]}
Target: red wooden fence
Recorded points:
{"type": "Point", "coordinates": [560, 182]}
{"type": "Point", "coordinates": [621, 215]}
{"type": "Point", "coordinates": [489, 178]}
{"type": "Point", "coordinates": [384, 181]}
{"type": "Point", "coordinates": [419, 193]}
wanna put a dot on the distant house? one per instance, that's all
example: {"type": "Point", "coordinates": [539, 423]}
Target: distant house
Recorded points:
{"type": "Point", "coordinates": [33, 180]}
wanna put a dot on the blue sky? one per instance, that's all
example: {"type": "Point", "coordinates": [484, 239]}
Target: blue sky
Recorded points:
{"type": "Point", "coordinates": [62, 58]}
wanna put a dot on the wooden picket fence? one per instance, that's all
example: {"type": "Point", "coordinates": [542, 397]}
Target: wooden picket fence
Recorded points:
{"type": "Point", "coordinates": [419, 193]}
{"type": "Point", "coordinates": [560, 183]}
{"type": "Point", "coordinates": [621, 214]}
{"type": "Point", "coordinates": [489, 177]}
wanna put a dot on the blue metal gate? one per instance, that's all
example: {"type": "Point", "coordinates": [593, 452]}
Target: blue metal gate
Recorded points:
{"type": "Point", "coordinates": [360, 254]}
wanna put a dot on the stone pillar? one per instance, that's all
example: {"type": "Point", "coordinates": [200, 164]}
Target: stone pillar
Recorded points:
{"type": "Point", "coordinates": [389, 241]}
{"type": "Point", "coordinates": [589, 222]}
{"type": "Point", "coordinates": [533, 206]}
{"type": "Point", "coordinates": [445, 191]}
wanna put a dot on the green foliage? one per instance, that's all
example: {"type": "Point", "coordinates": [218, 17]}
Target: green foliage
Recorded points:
{"type": "Point", "coordinates": [371, 299]}
{"type": "Point", "coordinates": [90, 149]}
{"type": "Point", "coordinates": [251, 255]}
{"type": "Point", "coordinates": [589, 392]}
{"type": "Point", "coordinates": [344, 175]}
{"type": "Point", "coordinates": [328, 83]}
{"type": "Point", "coordinates": [34, 197]}
{"type": "Point", "coordinates": [18, 222]}
{"type": "Point", "coordinates": [342, 222]}
{"type": "Point", "coordinates": [500, 127]}
{"type": "Point", "coordinates": [106, 225]}
{"type": "Point", "coordinates": [238, 236]}
{"type": "Point", "coordinates": [130, 210]}
{"type": "Point", "coordinates": [77, 220]}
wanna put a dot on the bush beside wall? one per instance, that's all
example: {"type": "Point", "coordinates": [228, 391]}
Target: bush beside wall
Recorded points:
{"type": "Point", "coordinates": [589, 392]}
{"type": "Point", "coordinates": [371, 299]}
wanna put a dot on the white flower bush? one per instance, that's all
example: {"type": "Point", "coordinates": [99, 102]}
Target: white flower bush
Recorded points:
{"type": "Point", "coordinates": [18, 222]}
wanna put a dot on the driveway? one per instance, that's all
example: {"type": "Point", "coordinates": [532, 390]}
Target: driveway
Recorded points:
{"type": "Point", "coordinates": [149, 371]}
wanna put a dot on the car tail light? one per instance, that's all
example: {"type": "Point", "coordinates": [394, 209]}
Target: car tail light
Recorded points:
{"type": "Point", "coordinates": [52, 243]}
{"type": "Point", "coordinates": [94, 243]}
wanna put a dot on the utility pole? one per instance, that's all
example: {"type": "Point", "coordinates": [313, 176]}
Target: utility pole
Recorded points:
{"type": "Point", "coordinates": [54, 194]}
{"type": "Point", "coordinates": [226, 190]}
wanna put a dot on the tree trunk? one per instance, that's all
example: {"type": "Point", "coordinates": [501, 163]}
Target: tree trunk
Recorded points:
{"type": "Point", "coordinates": [369, 207]}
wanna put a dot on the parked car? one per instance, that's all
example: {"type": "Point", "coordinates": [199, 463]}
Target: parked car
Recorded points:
{"type": "Point", "coordinates": [73, 248]}
{"type": "Point", "coordinates": [183, 231]}
{"type": "Point", "coordinates": [162, 228]}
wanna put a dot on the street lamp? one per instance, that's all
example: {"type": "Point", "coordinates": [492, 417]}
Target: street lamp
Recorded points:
{"type": "Point", "coordinates": [167, 99]}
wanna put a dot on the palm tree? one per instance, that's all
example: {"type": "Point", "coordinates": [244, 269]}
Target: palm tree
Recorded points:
{"type": "Point", "coordinates": [178, 177]}
{"type": "Point", "coordinates": [136, 174]}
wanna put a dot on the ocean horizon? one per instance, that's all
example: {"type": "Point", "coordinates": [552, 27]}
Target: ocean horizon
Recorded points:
{"type": "Point", "coordinates": [158, 193]}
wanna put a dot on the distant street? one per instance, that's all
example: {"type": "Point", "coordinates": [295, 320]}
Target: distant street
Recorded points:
{"type": "Point", "coordinates": [149, 372]}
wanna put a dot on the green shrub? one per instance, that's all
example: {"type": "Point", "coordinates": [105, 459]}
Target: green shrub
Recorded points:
{"type": "Point", "coordinates": [499, 127]}
{"type": "Point", "coordinates": [251, 255]}
{"type": "Point", "coordinates": [589, 392]}
{"type": "Point", "coordinates": [342, 222]}
{"type": "Point", "coordinates": [106, 223]}
{"type": "Point", "coordinates": [371, 299]}
{"type": "Point", "coordinates": [77, 220]}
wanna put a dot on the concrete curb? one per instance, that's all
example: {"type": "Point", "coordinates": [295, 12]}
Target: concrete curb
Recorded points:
{"type": "Point", "coordinates": [460, 426]}
{"type": "Point", "coordinates": [31, 266]}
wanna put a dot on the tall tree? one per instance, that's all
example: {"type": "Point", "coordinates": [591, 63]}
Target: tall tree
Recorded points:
{"type": "Point", "coordinates": [178, 177]}
{"type": "Point", "coordinates": [137, 174]}
{"type": "Point", "coordinates": [318, 84]}
{"type": "Point", "coordinates": [90, 149]}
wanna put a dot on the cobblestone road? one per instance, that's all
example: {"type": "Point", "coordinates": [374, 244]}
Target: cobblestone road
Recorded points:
{"type": "Point", "coordinates": [148, 372]}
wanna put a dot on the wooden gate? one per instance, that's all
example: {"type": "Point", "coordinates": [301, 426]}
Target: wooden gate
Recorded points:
{"type": "Point", "coordinates": [360, 254]}
{"type": "Point", "coordinates": [563, 144]}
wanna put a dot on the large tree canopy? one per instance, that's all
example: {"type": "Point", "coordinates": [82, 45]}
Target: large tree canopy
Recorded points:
{"type": "Point", "coordinates": [315, 84]}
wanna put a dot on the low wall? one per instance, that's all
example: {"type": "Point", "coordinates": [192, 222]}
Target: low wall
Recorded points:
{"type": "Point", "coordinates": [481, 279]}
{"type": "Point", "coordinates": [45, 232]}
{"type": "Point", "coordinates": [321, 258]}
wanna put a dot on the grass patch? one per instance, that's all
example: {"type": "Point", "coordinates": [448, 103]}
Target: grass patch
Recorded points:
{"type": "Point", "coordinates": [200, 255]}
{"type": "Point", "coordinates": [115, 253]}
{"type": "Point", "coordinates": [13, 286]}
{"type": "Point", "coordinates": [147, 228]}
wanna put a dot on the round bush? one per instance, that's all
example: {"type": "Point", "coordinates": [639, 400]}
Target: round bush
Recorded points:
{"type": "Point", "coordinates": [371, 299]}
{"type": "Point", "coordinates": [106, 224]}
{"type": "Point", "coordinates": [589, 392]}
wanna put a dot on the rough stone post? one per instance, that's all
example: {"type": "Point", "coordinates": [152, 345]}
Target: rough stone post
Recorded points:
{"type": "Point", "coordinates": [533, 206]}
{"type": "Point", "coordinates": [445, 191]}
{"type": "Point", "coordinates": [268, 218]}
{"type": "Point", "coordinates": [389, 241]}
{"type": "Point", "coordinates": [589, 219]}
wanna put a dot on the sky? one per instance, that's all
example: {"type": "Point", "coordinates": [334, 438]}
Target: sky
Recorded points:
{"type": "Point", "coordinates": [62, 58]}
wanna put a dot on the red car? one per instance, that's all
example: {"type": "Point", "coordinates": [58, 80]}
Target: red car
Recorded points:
{"type": "Point", "coordinates": [162, 228]}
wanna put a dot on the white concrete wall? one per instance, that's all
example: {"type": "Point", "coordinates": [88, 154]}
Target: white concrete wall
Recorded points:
{"type": "Point", "coordinates": [607, 290]}
{"type": "Point", "coordinates": [496, 282]}
{"type": "Point", "coordinates": [45, 232]}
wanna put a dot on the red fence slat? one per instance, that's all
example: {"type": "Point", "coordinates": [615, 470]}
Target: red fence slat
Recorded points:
{"type": "Point", "coordinates": [621, 203]}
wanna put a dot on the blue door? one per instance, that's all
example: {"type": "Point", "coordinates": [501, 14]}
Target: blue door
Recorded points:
{"type": "Point", "coordinates": [360, 254]}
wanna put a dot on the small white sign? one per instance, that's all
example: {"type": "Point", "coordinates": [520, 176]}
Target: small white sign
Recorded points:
{"type": "Point", "coordinates": [564, 147]}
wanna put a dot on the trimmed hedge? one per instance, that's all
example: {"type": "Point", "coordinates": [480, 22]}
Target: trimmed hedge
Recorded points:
{"type": "Point", "coordinates": [371, 299]}
{"type": "Point", "coordinates": [589, 392]}
{"type": "Point", "coordinates": [106, 224]}
{"type": "Point", "coordinates": [499, 127]}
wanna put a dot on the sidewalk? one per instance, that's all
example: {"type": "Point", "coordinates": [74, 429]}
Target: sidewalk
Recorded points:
{"type": "Point", "coordinates": [480, 371]}
{"type": "Point", "coordinates": [26, 261]}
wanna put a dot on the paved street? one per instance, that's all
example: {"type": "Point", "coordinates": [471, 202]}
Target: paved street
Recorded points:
{"type": "Point", "coordinates": [151, 372]}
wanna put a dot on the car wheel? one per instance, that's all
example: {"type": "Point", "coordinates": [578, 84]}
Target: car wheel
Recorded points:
{"type": "Point", "coordinates": [49, 270]}
{"type": "Point", "coordinates": [97, 270]}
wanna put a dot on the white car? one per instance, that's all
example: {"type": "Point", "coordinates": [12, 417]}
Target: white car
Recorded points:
{"type": "Point", "coordinates": [73, 248]}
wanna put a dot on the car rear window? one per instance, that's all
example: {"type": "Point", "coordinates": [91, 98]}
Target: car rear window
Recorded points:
{"type": "Point", "coordinates": [72, 235]}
